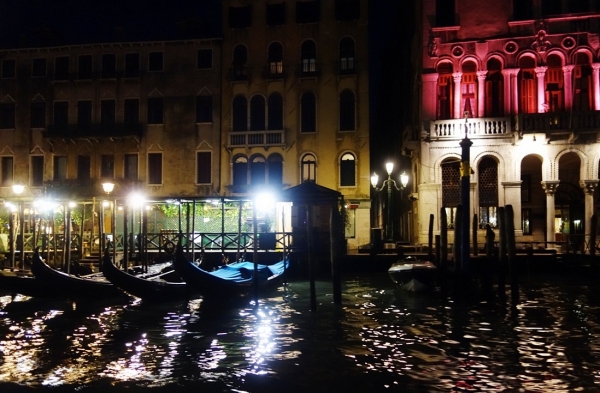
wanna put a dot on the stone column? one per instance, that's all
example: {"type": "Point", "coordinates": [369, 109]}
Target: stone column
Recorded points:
{"type": "Point", "coordinates": [506, 73]}
{"type": "Point", "coordinates": [540, 73]}
{"type": "Point", "coordinates": [457, 77]}
{"type": "Point", "coordinates": [596, 82]}
{"type": "Point", "coordinates": [589, 186]}
{"type": "Point", "coordinates": [568, 86]}
{"type": "Point", "coordinates": [550, 187]}
{"type": "Point", "coordinates": [481, 93]}
{"type": "Point", "coordinates": [515, 90]}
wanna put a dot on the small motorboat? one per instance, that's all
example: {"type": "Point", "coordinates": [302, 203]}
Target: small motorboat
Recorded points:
{"type": "Point", "coordinates": [413, 275]}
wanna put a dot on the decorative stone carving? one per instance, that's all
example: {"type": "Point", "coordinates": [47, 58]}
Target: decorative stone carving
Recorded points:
{"type": "Point", "coordinates": [568, 43]}
{"type": "Point", "coordinates": [541, 43]}
{"type": "Point", "coordinates": [511, 47]}
{"type": "Point", "coordinates": [589, 186]}
{"type": "Point", "coordinates": [433, 47]}
{"type": "Point", "coordinates": [550, 186]}
{"type": "Point", "coordinates": [457, 51]}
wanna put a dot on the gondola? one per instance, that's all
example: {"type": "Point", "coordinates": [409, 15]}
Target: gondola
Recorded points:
{"type": "Point", "coordinates": [145, 288]}
{"type": "Point", "coordinates": [232, 280]}
{"type": "Point", "coordinates": [27, 285]}
{"type": "Point", "coordinates": [70, 286]}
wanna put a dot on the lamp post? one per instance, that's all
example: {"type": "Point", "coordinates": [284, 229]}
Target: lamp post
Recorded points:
{"type": "Point", "coordinates": [388, 184]}
{"type": "Point", "coordinates": [108, 187]}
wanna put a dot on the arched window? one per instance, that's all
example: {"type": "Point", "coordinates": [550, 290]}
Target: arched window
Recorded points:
{"type": "Point", "coordinates": [308, 168]}
{"type": "Point", "coordinates": [450, 188]}
{"type": "Point", "coordinates": [582, 92]}
{"type": "Point", "coordinates": [347, 111]}
{"type": "Point", "coordinates": [527, 85]}
{"type": "Point", "coordinates": [308, 109]}
{"type": "Point", "coordinates": [347, 170]}
{"type": "Point", "coordinates": [240, 171]}
{"type": "Point", "coordinates": [275, 59]}
{"type": "Point", "coordinates": [488, 192]}
{"type": "Point", "coordinates": [445, 91]}
{"type": "Point", "coordinates": [275, 169]}
{"type": "Point", "coordinates": [347, 60]}
{"type": "Point", "coordinates": [275, 110]}
{"type": "Point", "coordinates": [240, 58]}
{"type": "Point", "coordinates": [554, 84]}
{"type": "Point", "coordinates": [240, 114]}
{"type": "Point", "coordinates": [468, 86]}
{"type": "Point", "coordinates": [308, 55]}
{"type": "Point", "coordinates": [258, 170]}
{"type": "Point", "coordinates": [494, 89]}
{"type": "Point", "coordinates": [257, 113]}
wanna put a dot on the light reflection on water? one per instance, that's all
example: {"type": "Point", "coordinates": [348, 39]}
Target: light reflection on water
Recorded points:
{"type": "Point", "coordinates": [378, 340]}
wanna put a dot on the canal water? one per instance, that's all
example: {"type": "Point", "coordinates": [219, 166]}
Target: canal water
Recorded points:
{"type": "Point", "coordinates": [379, 340]}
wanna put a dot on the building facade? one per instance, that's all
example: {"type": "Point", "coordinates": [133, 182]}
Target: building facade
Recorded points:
{"type": "Point", "coordinates": [280, 98]}
{"type": "Point", "coordinates": [295, 101]}
{"type": "Point", "coordinates": [520, 80]}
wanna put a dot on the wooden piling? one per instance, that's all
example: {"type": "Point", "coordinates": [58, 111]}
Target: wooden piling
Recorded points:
{"type": "Point", "coordinates": [430, 238]}
{"type": "Point", "coordinates": [502, 253]}
{"type": "Point", "coordinates": [443, 240]}
{"type": "Point", "coordinates": [511, 252]}
{"type": "Point", "coordinates": [474, 229]}
{"type": "Point", "coordinates": [335, 233]}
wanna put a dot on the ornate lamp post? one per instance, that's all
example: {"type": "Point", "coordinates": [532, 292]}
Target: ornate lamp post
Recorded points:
{"type": "Point", "coordinates": [388, 184]}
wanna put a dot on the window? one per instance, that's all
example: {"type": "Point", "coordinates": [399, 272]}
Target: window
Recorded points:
{"type": "Point", "coordinates": [154, 168]}
{"type": "Point", "coordinates": [308, 54]}
{"type": "Point", "coordinates": [131, 111]}
{"type": "Point", "coordinates": [132, 65]}
{"type": "Point", "coordinates": [445, 89]}
{"type": "Point", "coordinates": [258, 168]}
{"type": "Point", "coordinates": [308, 168]}
{"type": "Point", "coordinates": [347, 59]}
{"type": "Point", "coordinates": [468, 88]}
{"type": "Point", "coordinates": [307, 11]}
{"type": "Point", "coordinates": [38, 67]}
{"type": "Point", "coordinates": [7, 115]}
{"type": "Point", "coordinates": [308, 117]}
{"type": "Point", "coordinates": [347, 111]}
{"type": "Point", "coordinates": [450, 188]}
{"type": "Point", "coordinates": [527, 85]}
{"type": "Point", "coordinates": [61, 68]}
{"type": "Point", "coordinates": [84, 67]}
{"type": "Point", "coordinates": [84, 113]}
{"type": "Point", "coordinates": [444, 13]}
{"type": "Point", "coordinates": [60, 168]}
{"type": "Point", "coordinates": [61, 113]}
{"type": "Point", "coordinates": [107, 166]}
{"type": "Point", "coordinates": [38, 114]}
{"type": "Point", "coordinates": [204, 58]}
{"type": "Point", "coordinates": [37, 171]}
{"type": "Point", "coordinates": [204, 109]}
{"type": "Point", "coordinates": [275, 111]}
{"type": "Point", "coordinates": [203, 167]}
{"type": "Point", "coordinates": [109, 65]}
{"type": "Point", "coordinates": [347, 10]}
{"type": "Point", "coordinates": [240, 17]}
{"type": "Point", "coordinates": [155, 110]}
{"type": "Point", "coordinates": [240, 171]}
{"type": "Point", "coordinates": [8, 68]}
{"type": "Point", "coordinates": [257, 113]}
{"type": "Point", "coordinates": [7, 171]}
{"type": "Point", "coordinates": [554, 84]}
{"type": "Point", "coordinates": [83, 167]}
{"type": "Point", "coordinates": [275, 169]}
{"type": "Point", "coordinates": [130, 167]}
{"type": "Point", "coordinates": [155, 61]}
{"type": "Point", "coordinates": [275, 59]}
{"type": "Point", "coordinates": [347, 170]}
{"type": "Point", "coordinates": [107, 112]}
{"type": "Point", "coordinates": [494, 89]}
{"type": "Point", "coordinates": [525, 188]}
{"type": "Point", "coordinates": [582, 92]}
{"type": "Point", "coordinates": [276, 14]}
{"type": "Point", "coordinates": [240, 114]}
{"type": "Point", "coordinates": [488, 192]}
{"type": "Point", "coordinates": [240, 57]}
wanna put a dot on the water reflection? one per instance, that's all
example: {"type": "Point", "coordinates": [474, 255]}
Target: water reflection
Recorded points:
{"type": "Point", "coordinates": [378, 340]}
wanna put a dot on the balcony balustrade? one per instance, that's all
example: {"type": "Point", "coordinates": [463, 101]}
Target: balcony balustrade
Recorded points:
{"type": "Point", "coordinates": [256, 138]}
{"type": "Point", "coordinates": [492, 127]}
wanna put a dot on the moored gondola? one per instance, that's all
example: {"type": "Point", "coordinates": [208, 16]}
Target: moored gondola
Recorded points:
{"type": "Point", "coordinates": [70, 286]}
{"type": "Point", "coordinates": [27, 285]}
{"type": "Point", "coordinates": [153, 288]}
{"type": "Point", "coordinates": [233, 280]}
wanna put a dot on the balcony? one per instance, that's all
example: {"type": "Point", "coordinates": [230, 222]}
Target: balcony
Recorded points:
{"type": "Point", "coordinates": [256, 138]}
{"type": "Point", "coordinates": [97, 131]}
{"type": "Point", "coordinates": [487, 127]}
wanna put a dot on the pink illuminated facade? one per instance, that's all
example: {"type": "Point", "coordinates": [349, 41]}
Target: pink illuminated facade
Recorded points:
{"type": "Point", "coordinates": [521, 80]}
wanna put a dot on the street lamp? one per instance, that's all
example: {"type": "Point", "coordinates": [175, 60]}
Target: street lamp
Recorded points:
{"type": "Point", "coordinates": [389, 183]}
